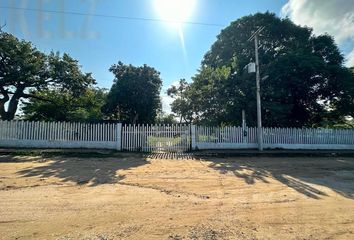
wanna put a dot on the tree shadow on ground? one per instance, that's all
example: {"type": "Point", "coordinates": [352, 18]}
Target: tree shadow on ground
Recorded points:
{"type": "Point", "coordinates": [90, 171]}
{"type": "Point", "coordinates": [296, 173]}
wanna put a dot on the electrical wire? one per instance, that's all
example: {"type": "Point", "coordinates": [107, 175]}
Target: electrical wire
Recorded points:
{"type": "Point", "coordinates": [111, 16]}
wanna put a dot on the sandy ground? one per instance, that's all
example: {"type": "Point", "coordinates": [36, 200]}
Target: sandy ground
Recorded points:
{"type": "Point", "coordinates": [139, 197]}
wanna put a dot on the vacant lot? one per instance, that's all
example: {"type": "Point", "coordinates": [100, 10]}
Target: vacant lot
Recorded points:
{"type": "Point", "coordinates": [132, 196]}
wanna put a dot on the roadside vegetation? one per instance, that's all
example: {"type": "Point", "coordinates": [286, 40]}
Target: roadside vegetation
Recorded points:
{"type": "Point", "coordinates": [304, 83]}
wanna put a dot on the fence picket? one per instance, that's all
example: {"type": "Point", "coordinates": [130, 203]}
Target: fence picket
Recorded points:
{"type": "Point", "coordinates": [166, 137]}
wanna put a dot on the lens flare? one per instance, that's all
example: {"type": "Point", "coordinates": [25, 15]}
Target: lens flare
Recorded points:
{"type": "Point", "coordinates": [176, 11]}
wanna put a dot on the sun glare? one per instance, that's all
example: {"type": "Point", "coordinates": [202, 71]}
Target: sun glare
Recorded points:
{"type": "Point", "coordinates": [176, 11]}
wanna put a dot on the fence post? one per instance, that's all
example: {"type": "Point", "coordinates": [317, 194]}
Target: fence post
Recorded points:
{"type": "Point", "coordinates": [193, 132]}
{"type": "Point", "coordinates": [119, 137]}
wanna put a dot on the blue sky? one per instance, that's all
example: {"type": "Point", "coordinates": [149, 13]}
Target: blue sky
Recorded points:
{"type": "Point", "coordinates": [99, 42]}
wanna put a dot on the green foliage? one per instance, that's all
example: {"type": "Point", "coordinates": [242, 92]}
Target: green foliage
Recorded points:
{"type": "Point", "coordinates": [182, 105]}
{"type": "Point", "coordinates": [305, 85]}
{"type": "Point", "coordinates": [163, 118]}
{"type": "Point", "coordinates": [135, 94]}
{"type": "Point", "coordinates": [25, 72]}
{"type": "Point", "coordinates": [208, 90]}
{"type": "Point", "coordinates": [65, 106]}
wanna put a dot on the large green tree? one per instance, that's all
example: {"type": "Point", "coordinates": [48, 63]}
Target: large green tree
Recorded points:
{"type": "Point", "coordinates": [182, 104]}
{"type": "Point", "coordinates": [303, 81]}
{"type": "Point", "coordinates": [135, 94]}
{"type": "Point", "coordinates": [65, 106]}
{"type": "Point", "coordinates": [25, 72]}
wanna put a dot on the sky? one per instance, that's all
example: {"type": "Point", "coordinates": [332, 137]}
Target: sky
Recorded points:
{"type": "Point", "coordinates": [108, 31]}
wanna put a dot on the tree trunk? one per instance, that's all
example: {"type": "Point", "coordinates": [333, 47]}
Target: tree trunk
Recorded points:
{"type": "Point", "coordinates": [135, 118]}
{"type": "Point", "coordinates": [11, 110]}
{"type": "Point", "coordinates": [2, 110]}
{"type": "Point", "coordinates": [13, 104]}
{"type": "Point", "coordinates": [3, 100]}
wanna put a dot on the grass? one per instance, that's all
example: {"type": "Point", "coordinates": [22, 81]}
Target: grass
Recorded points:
{"type": "Point", "coordinates": [165, 141]}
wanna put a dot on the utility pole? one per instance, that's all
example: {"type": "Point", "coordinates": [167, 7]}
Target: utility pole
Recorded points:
{"type": "Point", "coordinates": [244, 132]}
{"type": "Point", "coordinates": [1, 27]}
{"type": "Point", "coordinates": [255, 36]}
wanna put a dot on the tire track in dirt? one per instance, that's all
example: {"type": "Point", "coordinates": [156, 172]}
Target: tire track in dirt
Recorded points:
{"type": "Point", "coordinates": [166, 191]}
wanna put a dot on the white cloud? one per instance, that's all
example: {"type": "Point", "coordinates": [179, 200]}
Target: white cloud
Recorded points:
{"type": "Point", "coordinates": [324, 16]}
{"type": "Point", "coordinates": [350, 59]}
{"type": "Point", "coordinates": [166, 103]}
{"type": "Point", "coordinates": [167, 100]}
{"type": "Point", "coordinates": [335, 17]}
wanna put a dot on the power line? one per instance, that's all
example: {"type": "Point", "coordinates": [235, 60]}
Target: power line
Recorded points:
{"type": "Point", "coordinates": [1, 27]}
{"type": "Point", "coordinates": [111, 16]}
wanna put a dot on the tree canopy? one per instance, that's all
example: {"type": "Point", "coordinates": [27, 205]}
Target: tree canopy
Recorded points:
{"type": "Point", "coordinates": [304, 82]}
{"type": "Point", "coordinates": [135, 94]}
{"type": "Point", "coordinates": [182, 105]}
{"type": "Point", "coordinates": [25, 72]}
{"type": "Point", "coordinates": [65, 106]}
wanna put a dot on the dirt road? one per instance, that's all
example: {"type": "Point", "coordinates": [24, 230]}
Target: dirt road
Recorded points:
{"type": "Point", "coordinates": [135, 197]}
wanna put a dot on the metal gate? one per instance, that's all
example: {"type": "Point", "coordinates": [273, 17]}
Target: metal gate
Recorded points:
{"type": "Point", "coordinates": [156, 138]}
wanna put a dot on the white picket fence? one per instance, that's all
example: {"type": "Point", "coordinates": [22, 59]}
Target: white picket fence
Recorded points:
{"type": "Point", "coordinates": [284, 138]}
{"type": "Point", "coordinates": [24, 134]}
{"type": "Point", "coordinates": [146, 138]}
{"type": "Point", "coordinates": [165, 138]}
{"type": "Point", "coordinates": [156, 138]}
